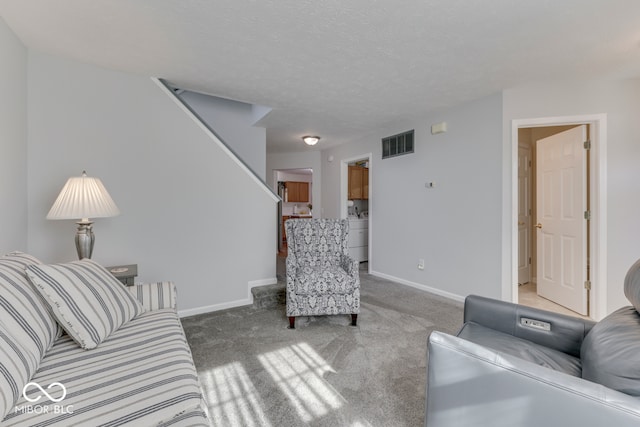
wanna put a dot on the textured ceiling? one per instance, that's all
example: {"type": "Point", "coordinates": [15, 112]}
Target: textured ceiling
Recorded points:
{"type": "Point", "coordinates": [337, 68]}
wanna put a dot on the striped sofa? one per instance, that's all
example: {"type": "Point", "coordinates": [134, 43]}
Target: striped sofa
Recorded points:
{"type": "Point", "coordinates": [140, 373]}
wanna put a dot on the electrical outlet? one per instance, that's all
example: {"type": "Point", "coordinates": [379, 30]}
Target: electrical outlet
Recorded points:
{"type": "Point", "coordinates": [420, 264]}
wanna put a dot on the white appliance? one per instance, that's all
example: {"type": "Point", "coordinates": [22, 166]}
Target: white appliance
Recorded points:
{"type": "Point", "coordinates": [359, 239]}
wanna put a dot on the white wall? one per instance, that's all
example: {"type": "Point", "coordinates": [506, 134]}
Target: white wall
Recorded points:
{"type": "Point", "coordinates": [455, 226]}
{"type": "Point", "coordinates": [299, 160]}
{"type": "Point", "coordinates": [173, 184]}
{"type": "Point", "coordinates": [233, 122]}
{"type": "Point", "coordinates": [13, 142]}
{"type": "Point", "coordinates": [620, 100]}
{"type": "Point", "coordinates": [463, 227]}
{"type": "Point", "coordinates": [284, 175]}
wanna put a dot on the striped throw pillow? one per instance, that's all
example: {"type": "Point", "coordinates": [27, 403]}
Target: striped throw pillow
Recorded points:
{"type": "Point", "coordinates": [22, 309]}
{"type": "Point", "coordinates": [17, 366]}
{"type": "Point", "coordinates": [88, 301]}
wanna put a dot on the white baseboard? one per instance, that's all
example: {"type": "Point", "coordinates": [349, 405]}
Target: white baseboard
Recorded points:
{"type": "Point", "coordinates": [231, 304]}
{"type": "Point", "coordinates": [262, 282]}
{"type": "Point", "coordinates": [273, 280]}
{"type": "Point", "coordinates": [215, 307]}
{"type": "Point", "coordinates": [439, 292]}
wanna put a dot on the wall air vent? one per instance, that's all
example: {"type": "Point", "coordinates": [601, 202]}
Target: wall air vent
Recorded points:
{"type": "Point", "coordinates": [396, 145]}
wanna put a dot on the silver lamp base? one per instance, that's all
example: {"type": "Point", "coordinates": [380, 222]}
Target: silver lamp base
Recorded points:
{"type": "Point", "coordinates": [85, 239]}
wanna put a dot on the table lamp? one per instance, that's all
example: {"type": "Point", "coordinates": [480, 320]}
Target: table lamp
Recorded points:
{"type": "Point", "coordinates": [82, 198]}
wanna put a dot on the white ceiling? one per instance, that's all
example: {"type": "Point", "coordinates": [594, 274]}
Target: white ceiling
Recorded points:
{"type": "Point", "coordinates": [339, 68]}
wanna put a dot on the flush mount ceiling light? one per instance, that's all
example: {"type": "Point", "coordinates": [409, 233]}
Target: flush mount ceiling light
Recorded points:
{"type": "Point", "coordinates": [311, 140]}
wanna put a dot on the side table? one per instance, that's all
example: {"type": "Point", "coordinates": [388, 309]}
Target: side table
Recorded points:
{"type": "Point", "coordinates": [125, 273]}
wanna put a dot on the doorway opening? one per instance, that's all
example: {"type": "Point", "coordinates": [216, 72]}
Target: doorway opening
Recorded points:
{"type": "Point", "coordinates": [356, 205]}
{"type": "Point", "coordinates": [559, 224]}
{"type": "Point", "coordinates": [294, 186]}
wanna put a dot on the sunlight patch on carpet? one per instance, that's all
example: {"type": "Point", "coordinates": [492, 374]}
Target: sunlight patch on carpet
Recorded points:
{"type": "Point", "coordinates": [232, 396]}
{"type": "Point", "coordinates": [298, 370]}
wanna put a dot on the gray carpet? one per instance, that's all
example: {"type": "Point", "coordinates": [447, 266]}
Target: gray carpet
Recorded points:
{"type": "Point", "coordinates": [256, 372]}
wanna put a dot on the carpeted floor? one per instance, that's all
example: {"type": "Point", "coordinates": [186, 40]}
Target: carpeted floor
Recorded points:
{"type": "Point", "coordinates": [256, 372]}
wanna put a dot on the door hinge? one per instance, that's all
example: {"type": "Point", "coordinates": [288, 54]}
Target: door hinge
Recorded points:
{"type": "Point", "coordinates": [587, 215]}
{"type": "Point", "coordinates": [529, 260]}
{"type": "Point", "coordinates": [587, 144]}
{"type": "Point", "coordinates": [587, 285]}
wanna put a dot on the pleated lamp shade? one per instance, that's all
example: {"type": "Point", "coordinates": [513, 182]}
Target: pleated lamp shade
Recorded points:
{"type": "Point", "coordinates": [83, 197]}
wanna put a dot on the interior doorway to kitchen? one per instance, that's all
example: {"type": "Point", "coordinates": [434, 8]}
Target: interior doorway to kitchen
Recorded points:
{"type": "Point", "coordinates": [356, 204]}
{"type": "Point", "coordinates": [294, 186]}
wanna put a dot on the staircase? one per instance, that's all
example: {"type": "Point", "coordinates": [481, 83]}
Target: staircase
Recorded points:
{"type": "Point", "coordinates": [272, 296]}
{"type": "Point", "coordinates": [269, 296]}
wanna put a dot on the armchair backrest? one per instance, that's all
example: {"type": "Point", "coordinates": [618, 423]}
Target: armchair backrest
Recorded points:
{"type": "Point", "coordinates": [316, 242]}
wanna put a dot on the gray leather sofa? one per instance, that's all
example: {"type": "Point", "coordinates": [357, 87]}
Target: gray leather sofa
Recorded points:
{"type": "Point", "coordinates": [512, 365]}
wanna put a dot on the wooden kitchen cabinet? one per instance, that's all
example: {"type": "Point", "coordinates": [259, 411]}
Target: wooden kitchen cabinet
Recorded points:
{"type": "Point", "coordinates": [303, 192]}
{"type": "Point", "coordinates": [297, 191]}
{"type": "Point", "coordinates": [355, 183]}
{"type": "Point", "coordinates": [358, 183]}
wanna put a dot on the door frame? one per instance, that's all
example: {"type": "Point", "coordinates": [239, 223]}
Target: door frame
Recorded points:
{"type": "Point", "coordinates": [598, 197]}
{"type": "Point", "coordinates": [528, 226]}
{"type": "Point", "coordinates": [344, 193]}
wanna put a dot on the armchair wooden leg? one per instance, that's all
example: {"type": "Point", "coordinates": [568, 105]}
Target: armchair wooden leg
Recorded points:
{"type": "Point", "coordinates": [292, 322]}
{"type": "Point", "coordinates": [354, 319]}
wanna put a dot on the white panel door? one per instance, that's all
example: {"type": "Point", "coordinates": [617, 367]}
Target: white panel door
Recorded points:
{"type": "Point", "coordinates": [561, 228]}
{"type": "Point", "coordinates": [524, 214]}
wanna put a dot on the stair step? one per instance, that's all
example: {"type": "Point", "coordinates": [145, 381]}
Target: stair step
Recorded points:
{"type": "Point", "coordinates": [269, 296]}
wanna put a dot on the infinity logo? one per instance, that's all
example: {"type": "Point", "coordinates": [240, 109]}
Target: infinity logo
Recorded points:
{"type": "Point", "coordinates": [54, 399]}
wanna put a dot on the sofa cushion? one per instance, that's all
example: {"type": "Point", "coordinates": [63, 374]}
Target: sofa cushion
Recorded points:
{"type": "Point", "coordinates": [141, 375]}
{"type": "Point", "coordinates": [520, 348]}
{"type": "Point", "coordinates": [17, 366]}
{"type": "Point", "coordinates": [611, 352]}
{"type": "Point", "coordinates": [22, 309]}
{"type": "Point", "coordinates": [88, 301]}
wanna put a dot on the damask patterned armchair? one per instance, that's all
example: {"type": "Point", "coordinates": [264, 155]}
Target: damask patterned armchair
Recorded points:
{"type": "Point", "coordinates": [321, 277]}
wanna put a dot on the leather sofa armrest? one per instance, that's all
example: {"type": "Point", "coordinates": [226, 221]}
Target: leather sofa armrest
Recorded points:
{"type": "Point", "coordinates": [471, 385]}
{"type": "Point", "coordinates": [565, 333]}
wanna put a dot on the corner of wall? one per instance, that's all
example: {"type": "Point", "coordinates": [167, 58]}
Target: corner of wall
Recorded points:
{"type": "Point", "coordinates": [13, 134]}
